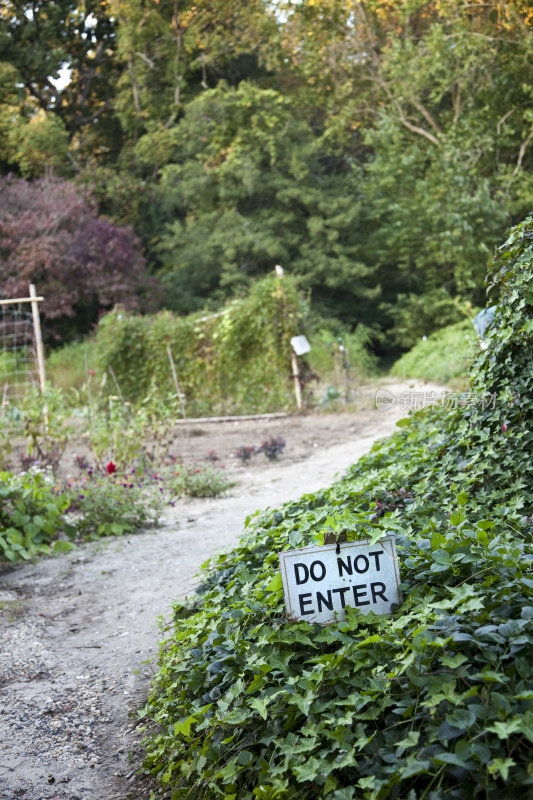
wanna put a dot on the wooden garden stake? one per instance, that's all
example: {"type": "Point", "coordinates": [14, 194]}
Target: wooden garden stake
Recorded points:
{"type": "Point", "coordinates": [296, 378]}
{"type": "Point", "coordinates": [89, 395]}
{"type": "Point", "coordinates": [38, 336]}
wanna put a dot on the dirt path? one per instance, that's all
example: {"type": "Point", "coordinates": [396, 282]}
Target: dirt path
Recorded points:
{"type": "Point", "coordinates": [79, 633]}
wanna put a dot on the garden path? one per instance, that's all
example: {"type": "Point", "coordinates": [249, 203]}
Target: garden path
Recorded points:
{"type": "Point", "coordinates": [79, 632]}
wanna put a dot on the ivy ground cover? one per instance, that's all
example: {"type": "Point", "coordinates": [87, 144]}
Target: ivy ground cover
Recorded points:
{"type": "Point", "coordinates": [434, 701]}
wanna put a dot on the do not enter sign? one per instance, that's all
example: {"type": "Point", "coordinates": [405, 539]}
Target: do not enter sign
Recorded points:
{"type": "Point", "coordinates": [320, 582]}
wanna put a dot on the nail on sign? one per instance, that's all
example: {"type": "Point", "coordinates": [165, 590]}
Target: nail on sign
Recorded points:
{"type": "Point", "coordinates": [320, 583]}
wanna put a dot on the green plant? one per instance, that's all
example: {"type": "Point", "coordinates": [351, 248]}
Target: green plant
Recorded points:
{"type": "Point", "coordinates": [46, 427]}
{"type": "Point", "coordinates": [111, 503]}
{"type": "Point", "coordinates": [414, 316]}
{"type": "Point", "coordinates": [433, 701]}
{"type": "Point", "coordinates": [326, 358]}
{"type": "Point", "coordinates": [31, 516]}
{"type": "Point", "coordinates": [202, 480]}
{"type": "Point", "coordinates": [156, 419]}
{"type": "Point", "coordinates": [115, 434]}
{"type": "Point", "coordinates": [130, 435]}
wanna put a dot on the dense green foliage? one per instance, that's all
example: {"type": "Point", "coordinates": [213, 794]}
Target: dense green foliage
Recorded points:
{"type": "Point", "coordinates": [31, 516]}
{"type": "Point", "coordinates": [435, 700]}
{"type": "Point", "coordinates": [443, 356]}
{"type": "Point", "coordinates": [235, 361]}
{"type": "Point", "coordinates": [376, 148]}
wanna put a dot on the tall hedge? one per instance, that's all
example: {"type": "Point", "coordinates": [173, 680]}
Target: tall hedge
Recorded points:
{"type": "Point", "coordinates": [232, 362]}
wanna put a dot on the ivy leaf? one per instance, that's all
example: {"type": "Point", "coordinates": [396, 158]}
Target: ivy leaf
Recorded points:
{"type": "Point", "coordinates": [411, 740]}
{"type": "Point", "coordinates": [245, 757]}
{"type": "Point", "coordinates": [184, 726]}
{"type": "Point", "coordinates": [260, 706]}
{"type": "Point", "coordinates": [456, 517]}
{"type": "Point", "coordinates": [527, 725]}
{"type": "Point", "coordinates": [504, 729]}
{"type": "Point", "coordinates": [275, 584]}
{"type": "Point", "coordinates": [501, 767]}
{"type": "Point", "coordinates": [461, 718]}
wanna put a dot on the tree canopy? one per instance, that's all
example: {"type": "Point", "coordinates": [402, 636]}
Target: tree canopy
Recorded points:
{"type": "Point", "coordinates": [376, 149]}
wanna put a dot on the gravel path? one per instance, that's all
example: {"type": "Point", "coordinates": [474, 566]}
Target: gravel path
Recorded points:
{"type": "Point", "coordinates": [79, 632]}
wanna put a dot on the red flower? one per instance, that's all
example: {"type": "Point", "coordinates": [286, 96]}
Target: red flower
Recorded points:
{"type": "Point", "coordinates": [111, 468]}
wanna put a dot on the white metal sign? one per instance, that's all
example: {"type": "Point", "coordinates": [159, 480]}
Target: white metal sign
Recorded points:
{"type": "Point", "coordinates": [320, 582]}
{"type": "Point", "coordinates": [300, 345]}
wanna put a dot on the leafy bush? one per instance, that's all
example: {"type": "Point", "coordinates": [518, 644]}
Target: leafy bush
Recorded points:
{"type": "Point", "coordinates": [443, 357]}
{"type": "Point", "coordinates": [137, 436]}
{"type": "Point", "coordinates": [44, 416]}
{"type": "Point", "coordinates": [31, 516]}
{"type": "Point", "coordinates": [433, 701]}
{"type": "Point", "coordinates": [414, 316]}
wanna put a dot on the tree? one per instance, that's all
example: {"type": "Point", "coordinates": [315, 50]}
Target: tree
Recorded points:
{"type": "Point", "coordinates": [171, 51]}
{"type": "Point", "coordinates": [51, 235]}
{"type": "Point", "coordinates": [74, 40]}
{"type": "Point", "coordinates": [247, 189]}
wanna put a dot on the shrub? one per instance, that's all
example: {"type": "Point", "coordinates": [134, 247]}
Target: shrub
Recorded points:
{"type": "Point", "coordinates": [51, 234]}
{"type": "Point", "coordinates": [44, 416]}
{"type": "Point", "coordinates": [326, 359]}
{"type": "Point", "coordinates": [433, 701]}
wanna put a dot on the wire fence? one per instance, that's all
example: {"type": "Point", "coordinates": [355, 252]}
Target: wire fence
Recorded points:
{"type": "Point", "coordinates": [18, 353]}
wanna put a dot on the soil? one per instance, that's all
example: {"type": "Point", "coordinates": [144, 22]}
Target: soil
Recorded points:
{"type": "Point", "coordinates": [79, 632]}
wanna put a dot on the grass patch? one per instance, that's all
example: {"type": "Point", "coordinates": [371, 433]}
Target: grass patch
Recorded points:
{"type": "Point", "coordinates": [444, 357]}
{"type": "Point", "coordinates": [66, 367]}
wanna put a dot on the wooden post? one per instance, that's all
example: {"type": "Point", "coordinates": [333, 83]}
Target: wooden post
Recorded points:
{"type": "Point", "coordinates": [296, 377]}
{"type": "Point", "coordinates": [294, 359]}
{"type": "Point", "coordinates": [38, 336]}
{"type": "Point", "coordinates": [176, 384]}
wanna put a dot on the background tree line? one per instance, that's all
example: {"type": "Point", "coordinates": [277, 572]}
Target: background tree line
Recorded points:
{"type": "Point", "coordinates": [376, 149]}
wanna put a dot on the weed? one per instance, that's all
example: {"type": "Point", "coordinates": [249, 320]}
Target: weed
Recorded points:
{"type": "Point", "coordinates": [203, 480]}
